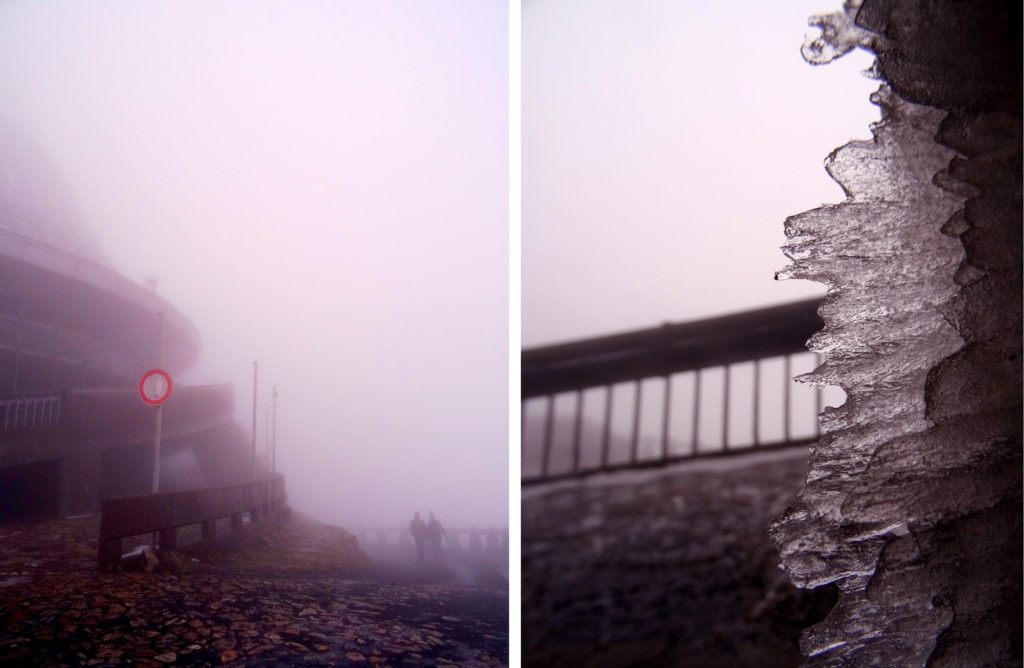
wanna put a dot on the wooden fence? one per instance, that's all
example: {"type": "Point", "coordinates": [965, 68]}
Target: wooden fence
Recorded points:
{"type": "Point", "coordinates": [166, 513]}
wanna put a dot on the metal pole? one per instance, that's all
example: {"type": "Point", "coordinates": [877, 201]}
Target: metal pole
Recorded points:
{"type": "Point", "coordinates": [757, 403]}
{"type": "Point", "coordinates": [254, 387]}
{"type": "Point", "coordinates": [638, 397]}
{"type": "Point", "coordinates": [666, 411]}
{"type": "Point", "coordinates": [696, 411]}
{"type": "Point", "coordinates": [548, 427]}
{"type": "Point", "coordinates": [273, 437]}
{"type": "Point", "coordinates": [159, 415]}
{"type": "Point", "coordinates": [266, 434]}
{"type": "Point", "coordinates": [606, 437]}
{"type": "Point", "coordinates": [725, 408]}
{"type": "Point", "coordinates": [156, 430]}
{"type": "Point", "coordinates": [576, 431]}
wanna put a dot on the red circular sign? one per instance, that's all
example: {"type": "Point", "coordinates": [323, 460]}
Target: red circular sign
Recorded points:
{"type": "Point", "coordinates": [155, 387]}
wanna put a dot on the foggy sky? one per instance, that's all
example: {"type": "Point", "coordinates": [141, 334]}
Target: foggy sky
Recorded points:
{"type": "Point", "coordinates": [664, 143]}
{"type": "Point", "coordinates": [320, 186]}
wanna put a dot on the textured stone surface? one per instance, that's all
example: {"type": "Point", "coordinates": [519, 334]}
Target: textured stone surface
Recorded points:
{"type": "Point", "coordinates": [913, 499]}
{"type": "Point", "coordinates": [306, 596]}
{"type": "Point", "coordinates": [664, 568]}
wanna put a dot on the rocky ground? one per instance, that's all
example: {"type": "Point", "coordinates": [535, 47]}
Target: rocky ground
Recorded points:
{"type": "Point", "coordinates": [664, 568]}
{"type": "Point", "coordinates": [302, 594]}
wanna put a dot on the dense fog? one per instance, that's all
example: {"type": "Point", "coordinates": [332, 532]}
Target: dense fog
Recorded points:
{"type": "Point", "coordinates": [319, 186]}
{"type": "Point", "coordinates": [664, 143]}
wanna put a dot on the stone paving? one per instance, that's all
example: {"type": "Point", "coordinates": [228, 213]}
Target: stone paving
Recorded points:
{"type": "Point", "coordinates": [304, 594]}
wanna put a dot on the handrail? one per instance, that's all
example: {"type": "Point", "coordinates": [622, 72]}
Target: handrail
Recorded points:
{"type": "Point", "coordinates": [165, 513]}
{"type": "Point", "coordinates": [671, 348]}
{"type": "Point", "coordinates": [23, 413]}
{"type": "Point", "coordinates": [660, 352]}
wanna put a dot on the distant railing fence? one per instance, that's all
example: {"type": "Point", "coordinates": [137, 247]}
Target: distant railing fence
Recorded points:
{"type": "Point", "coordinates": [567, 372]}
{"type": "Point", "coordinates": [472, 539]}
{"type": "Point", "coordinates": [166, 513]}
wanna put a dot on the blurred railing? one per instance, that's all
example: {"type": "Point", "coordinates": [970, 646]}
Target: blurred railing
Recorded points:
{"type": "Point", "coordinates": [661, 352]}
{"type": "Point", "coordinates": [29, 413]}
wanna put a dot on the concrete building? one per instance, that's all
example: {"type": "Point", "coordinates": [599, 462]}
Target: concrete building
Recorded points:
{"type": "Point", "coordinates": [75, 337]}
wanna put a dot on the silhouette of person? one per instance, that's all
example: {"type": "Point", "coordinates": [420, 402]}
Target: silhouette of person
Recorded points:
{"type": "Point", "coordinates": [419, 534]}
{"type": "Point", "coordinates": [436, 531]}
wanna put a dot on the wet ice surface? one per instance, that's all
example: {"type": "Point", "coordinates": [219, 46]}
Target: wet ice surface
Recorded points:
{"type": "Point", "coordinates": [889, 270]}
{"type": "Point", "coordinates": [839, 35]}
{"type": "Point", "coordinates": [904, 503]}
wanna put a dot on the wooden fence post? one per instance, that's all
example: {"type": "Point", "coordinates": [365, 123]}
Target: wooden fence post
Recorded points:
{"type": "Point", "coordinates": [168, 538]}
{"type": "Point", "coordinates": [109, 553]}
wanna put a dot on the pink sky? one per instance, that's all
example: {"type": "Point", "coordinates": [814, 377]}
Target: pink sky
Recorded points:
{"type": "Point", "coordinates": [664, 143]}
{"type": "Point", "coordinates": [321, 186]}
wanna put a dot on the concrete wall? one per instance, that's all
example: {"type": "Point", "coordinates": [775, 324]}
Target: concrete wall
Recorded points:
{"type": "Point", "coordinates": [103, 445]}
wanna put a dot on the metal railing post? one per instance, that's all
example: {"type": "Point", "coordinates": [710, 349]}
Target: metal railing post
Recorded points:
{"type": "Point", "coordinates": [638, 396]}
{"type": "Point", "coordinates": [666, 411]}
{"type": "Point", "coordinates": [549, 422]}
{"type": "Point", "coordinates": [576, 431]}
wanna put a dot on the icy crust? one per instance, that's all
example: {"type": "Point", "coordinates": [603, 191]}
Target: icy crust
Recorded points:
{"type": "Point", "coordinates": [890, 270]}
{"type": "Point", "coordinates": [839, 35]}
{"type": "Point", "coordinates": [912, 504]}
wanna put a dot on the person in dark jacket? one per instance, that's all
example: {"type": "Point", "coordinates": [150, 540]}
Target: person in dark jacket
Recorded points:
{"type": "Point", "coordinates": [419, 534]}
{"type": "Point", "coordinates": [436, 532]}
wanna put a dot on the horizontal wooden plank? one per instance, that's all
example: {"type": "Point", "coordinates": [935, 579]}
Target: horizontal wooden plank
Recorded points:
{"type": "Point", "coordinates": [130, 516]}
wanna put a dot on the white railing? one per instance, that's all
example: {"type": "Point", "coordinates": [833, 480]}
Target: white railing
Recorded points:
{"type": "Point", "coordinates": [29, 413]}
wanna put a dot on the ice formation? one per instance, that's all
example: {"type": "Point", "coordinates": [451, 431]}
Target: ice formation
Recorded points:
{"type": "Point", "coordinates": [912, 504]}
